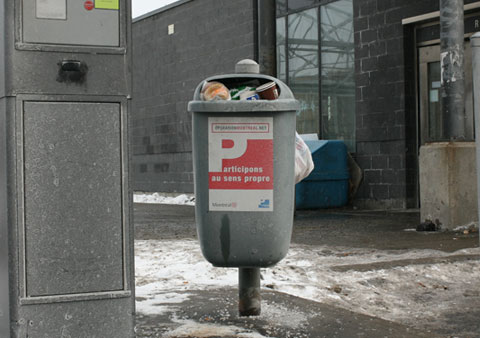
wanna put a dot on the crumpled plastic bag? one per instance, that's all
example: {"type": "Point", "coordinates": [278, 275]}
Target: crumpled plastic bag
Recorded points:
{"type": "Point", "coordinates": [242, 92]}
{"type": "Point", "coordinates": [303, 159]}
{"type": "Point", "coordinates": [213, 91]}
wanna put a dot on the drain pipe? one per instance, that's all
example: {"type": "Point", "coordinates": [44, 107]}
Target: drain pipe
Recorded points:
{"type": "Point", "coordinates": [452, 69]}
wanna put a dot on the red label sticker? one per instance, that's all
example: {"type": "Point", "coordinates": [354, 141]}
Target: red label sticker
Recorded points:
{"type": "Point", "coordinates": [253, 170]}
{"type": "Point", "coordinates": [88, 5]}
{"type": "Point", "coordinates": [240, 164]}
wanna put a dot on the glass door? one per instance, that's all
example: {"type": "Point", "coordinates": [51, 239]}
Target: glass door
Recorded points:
{"type": "Point", "coordinates": [431, 118]}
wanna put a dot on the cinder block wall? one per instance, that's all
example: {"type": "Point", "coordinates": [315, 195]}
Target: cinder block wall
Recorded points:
{"type": "Point", "coordinates": [385, 101]}
{"type": "Point", "coordinates": [209, 37]}
{"type": "Point", "coordinates": [386, 122]}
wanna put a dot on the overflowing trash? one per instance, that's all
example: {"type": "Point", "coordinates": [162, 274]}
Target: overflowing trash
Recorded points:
{"type": "Point", "coordinates": [215, 90]}
{"type": "Point", "coordinates": [268, 91]}
{"type": "Point", "coordinates": [428, 225]}
{"type": "Point", "coordinates": [244, 93]}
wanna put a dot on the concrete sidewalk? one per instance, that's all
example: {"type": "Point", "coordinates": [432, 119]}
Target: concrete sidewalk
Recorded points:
{"type": "Point", "coordinates": [213, 313]}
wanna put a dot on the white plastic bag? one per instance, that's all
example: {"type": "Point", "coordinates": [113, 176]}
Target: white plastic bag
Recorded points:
{"type": "Point", "coordinates": [303, 159]}
{"type": "Point", "coordinates": [214, 91]}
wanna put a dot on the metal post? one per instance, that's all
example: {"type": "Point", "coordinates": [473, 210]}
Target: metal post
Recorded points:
{"type": "Point", "coordinates": [249, 291]}
{"type": "Point", "coordinates": [452, 69]}
{"type": "Point", "coordinates": [267, 37]}
{"type": "Point", "coordinates": [475, 44]}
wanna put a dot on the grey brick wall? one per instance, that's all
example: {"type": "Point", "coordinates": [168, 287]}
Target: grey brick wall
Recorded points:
{"type": "Point", "coordinates": [386, 145]}
{"type": "Point", "coordinates": [385, 101]}
{"type": "Point", "coordinates": [210, 36]}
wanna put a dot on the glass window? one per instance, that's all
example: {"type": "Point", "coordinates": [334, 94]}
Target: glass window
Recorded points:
{"type": "Point", "coordinates": [297, 4]}
{"type": "Point", "coordinates": [315, 56]}
{"type": "Point", "coordinates": [337, 72]}
{"type": "Point", "coordinates": [281, 7]}
{"type": "Point", "coordinates": [435, 118]}
{"type": "Point", "coordinates": [281, 51]}
{"type": "Point", "coordinates": [303, 67]}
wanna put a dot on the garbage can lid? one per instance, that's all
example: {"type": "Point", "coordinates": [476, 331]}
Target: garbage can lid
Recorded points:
{"type": "Point", "coordinates": [247, 66]}
{"type": "Point", "coordinates": [285, 102]}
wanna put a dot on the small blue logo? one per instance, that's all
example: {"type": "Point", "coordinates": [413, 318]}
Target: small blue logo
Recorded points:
{"type": "Point", "coordinates": [264, 204]}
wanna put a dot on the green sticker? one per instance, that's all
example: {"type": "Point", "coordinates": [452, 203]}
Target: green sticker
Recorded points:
{"type": "Point", "coordinates": [107, 4]}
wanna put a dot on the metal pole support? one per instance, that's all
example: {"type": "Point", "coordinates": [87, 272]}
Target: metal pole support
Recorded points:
{"type": "Point", "coordinates": [452, 69]}
{"type": "Point", "coordinates": [475, 44]}
{"type": "Point", "coordinates": [267, 37]}
{"type": "Point", "coordinates": [250, 300]}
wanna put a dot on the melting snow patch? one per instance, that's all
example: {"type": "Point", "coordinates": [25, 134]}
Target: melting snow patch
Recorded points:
{"type": "Point", "coordinates": [275, 313]}
{"type": "Point", "coordinates": [160, 303]}
{"type": "Point", "coordinates": [163, 268]}
{"type": "Point", "coordinates": [414, 294]}
{"type": "Point", "coordinates": [176, 265]}
{"type": "Point", "coordinates": [469, 226]}
{"type": "Point", "coordinates": [160, 199]}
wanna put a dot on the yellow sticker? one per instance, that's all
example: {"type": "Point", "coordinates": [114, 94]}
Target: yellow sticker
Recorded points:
{"type": "Point", "coordinates": [106, 4]}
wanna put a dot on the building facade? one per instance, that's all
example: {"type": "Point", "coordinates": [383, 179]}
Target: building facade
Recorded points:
{"type": "Point", "coordinates": [366, 72]}
{"type": "Point", "coordinates": [174, 49]}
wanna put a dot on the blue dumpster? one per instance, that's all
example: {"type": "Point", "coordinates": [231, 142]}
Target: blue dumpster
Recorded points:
{"type": "Point", "coordinates": [327, 185]}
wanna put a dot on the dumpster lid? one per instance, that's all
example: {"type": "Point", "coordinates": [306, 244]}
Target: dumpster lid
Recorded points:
{"type": "Point", "coordinates": [314, 145]}
{"type": "Point", "coordinates": [285, 102]}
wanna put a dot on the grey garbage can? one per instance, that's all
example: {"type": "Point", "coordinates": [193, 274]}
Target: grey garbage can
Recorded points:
{"type": "Point", "coordinates": [243, 159]}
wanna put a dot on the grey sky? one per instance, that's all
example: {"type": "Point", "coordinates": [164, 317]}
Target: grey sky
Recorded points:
{"type": "Point", "coordinates": [140, 7]}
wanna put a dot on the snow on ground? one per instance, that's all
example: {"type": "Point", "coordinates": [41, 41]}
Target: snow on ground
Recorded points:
{"type": "Point", "coordinates": [187, 199]}
{"type": "Point", "coordinates": [468, 227]}
{"type": "Point", "coordinates": [415, 295]}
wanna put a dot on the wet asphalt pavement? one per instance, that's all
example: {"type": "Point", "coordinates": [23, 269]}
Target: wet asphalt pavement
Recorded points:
{"type": "Point", "coordinates": [340, 228]}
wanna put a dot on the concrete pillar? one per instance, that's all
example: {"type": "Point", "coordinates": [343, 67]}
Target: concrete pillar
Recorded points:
{"type": "Point", "coordinates": [447, 172]}
{"type": "Point", "coordinates": [448, 191]}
